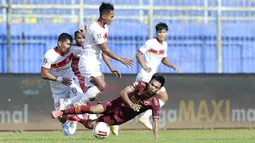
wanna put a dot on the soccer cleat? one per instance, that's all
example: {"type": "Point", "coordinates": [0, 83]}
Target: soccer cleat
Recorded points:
{"type": "Point", "coordinates": [56, 114]}
{"type": "Point", "coordinates": [72, 127]}
{"type": "Point", "coordinates": [146, 123]}
{"type": "Point", "coordinates": [69, 128]}
{"type": "Point", "coordinates": [115, 130]}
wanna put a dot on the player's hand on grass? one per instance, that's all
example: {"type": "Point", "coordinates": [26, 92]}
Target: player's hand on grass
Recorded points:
{"type": "Point", "coordinates": [127, 61]}
{"type": "Point", "coordinates": [136, 107]}
{"type": "Point", "coordinates": [147, 69]}
{"type": "Point", "coordinates": [67, 81]}
{"type": "Point", "coordinates": [116, 72]}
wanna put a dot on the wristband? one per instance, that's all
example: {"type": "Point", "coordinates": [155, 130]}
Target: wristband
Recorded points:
{"type": "Point", "coordinates": [59, 79]}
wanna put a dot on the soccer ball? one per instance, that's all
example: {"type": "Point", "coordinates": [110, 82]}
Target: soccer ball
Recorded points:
{"type": "Point", "coordinates": [101, 130]}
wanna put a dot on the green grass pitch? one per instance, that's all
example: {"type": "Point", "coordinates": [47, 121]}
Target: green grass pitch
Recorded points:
{"type": "Point", "coordinates": [169, 136]}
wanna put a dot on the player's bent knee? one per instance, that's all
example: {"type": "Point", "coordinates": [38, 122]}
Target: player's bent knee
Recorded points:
{"type": "Point", "coordinates": [98, 109]}
{"type": "Point", "coordinates": [101, 86]}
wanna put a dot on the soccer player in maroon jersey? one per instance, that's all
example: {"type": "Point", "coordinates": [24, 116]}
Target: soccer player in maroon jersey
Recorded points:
{"type": "Point", "coordinates": [133, 100]}
{"type": "Point", "coordinates": [79, 37]}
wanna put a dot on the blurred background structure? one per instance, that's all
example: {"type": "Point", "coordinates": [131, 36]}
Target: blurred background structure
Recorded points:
{"type": "Point", "coordinates": [205, 36]}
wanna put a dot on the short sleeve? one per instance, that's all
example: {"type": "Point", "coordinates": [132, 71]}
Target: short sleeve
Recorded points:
{"type": "Point", "coordinates": [98, 35]}
{"type": "Point", "coordinates": [155, 108]}
{"type": "Point", "coordinates": [145, 47]}
{"type": "Point", "coordinates": [46, 62]}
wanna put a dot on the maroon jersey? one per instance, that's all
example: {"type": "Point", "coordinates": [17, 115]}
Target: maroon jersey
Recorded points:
{"type": "Point", "coordinates": [75, 68]}
{"type": "Point", "coordinates": [118, 112]}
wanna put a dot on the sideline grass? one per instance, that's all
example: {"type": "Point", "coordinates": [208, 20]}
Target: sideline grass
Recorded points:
{"type": "Point", "coordinates": [171, 136]}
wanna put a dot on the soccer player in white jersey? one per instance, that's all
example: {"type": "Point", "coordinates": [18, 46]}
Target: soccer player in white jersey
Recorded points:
{"type": "Point", "coordinates": [155, 52]}
{"type": "Point", "coordinates": [56, 67]}
{"type": "Point", "coordinates": [94, 46]}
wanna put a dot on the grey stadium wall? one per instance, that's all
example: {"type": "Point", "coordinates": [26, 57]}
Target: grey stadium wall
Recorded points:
{"type": "Point", "coordinates": [195, 101]}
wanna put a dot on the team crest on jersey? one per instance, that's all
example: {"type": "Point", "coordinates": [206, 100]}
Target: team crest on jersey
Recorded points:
{"type": "Point", "coordinates": [144, 45]}
{"type": "Point", "coordinates": [99, 36]}
{"type": "Point", "coordinates": [45, 61]}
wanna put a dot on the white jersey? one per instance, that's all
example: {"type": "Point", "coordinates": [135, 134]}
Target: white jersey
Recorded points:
{"type": "Point", "coordinates": [59, 65]}
{"type": "Point", "coordinates": [91, 53]}
{"type": "Point", "coordinates": [154, 52]}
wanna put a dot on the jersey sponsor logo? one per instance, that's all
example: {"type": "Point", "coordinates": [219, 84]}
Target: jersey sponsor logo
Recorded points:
{"type": "Point", "coordinates": [61, 69]}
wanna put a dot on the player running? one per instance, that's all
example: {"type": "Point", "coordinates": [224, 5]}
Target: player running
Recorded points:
{"type": "Point", "coordinates": [57, 69]}
{"type": "Point", "coordinates": [94, 46]}
{"type": "Point", "coordinates": [133, 100]}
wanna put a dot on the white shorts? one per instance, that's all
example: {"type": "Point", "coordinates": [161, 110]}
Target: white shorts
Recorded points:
{"type": "Point", "coordinates": [66, 92]}
{"type": "Point", "coordinates": [88, 72]}
{"type": "Point", "coordinates": [146, 77]}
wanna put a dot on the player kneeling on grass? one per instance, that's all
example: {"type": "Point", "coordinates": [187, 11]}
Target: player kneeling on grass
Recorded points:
{"type": "Point", "coordinates": [133, 100]}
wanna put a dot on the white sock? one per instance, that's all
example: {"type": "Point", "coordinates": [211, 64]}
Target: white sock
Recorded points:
{"type": "Point", "coordinates": [72, 100]}
{"type": "Point", "coordinates": [146, 115]}
{"type": "Point", "coordinates": [91, 93]}
{"type": "Point", "coordinates": [161, 103]}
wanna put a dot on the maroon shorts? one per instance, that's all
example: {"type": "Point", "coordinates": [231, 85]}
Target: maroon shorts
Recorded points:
{"type": "Point", "coordinates": [110, 115]}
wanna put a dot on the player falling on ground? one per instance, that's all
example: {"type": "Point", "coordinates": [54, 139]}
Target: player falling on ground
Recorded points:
{"type": "Point", "coordinates": [155, 52]}
{"type": "Point", "coordinates": [94, 46]}
{"type": "Point", "coordinates": [133, 100]}
{"type": "Point", "coordinates": [57, 69]}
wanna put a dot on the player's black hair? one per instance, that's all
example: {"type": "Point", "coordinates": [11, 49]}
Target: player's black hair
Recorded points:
{"type": "Point", "coordinates": [75, 33]}
{"type": "Point", "coordinates": [64, 36]}
{"type": "Point", "coordinates": [160, 78]}
{"type": "Point", "coordinates": [105, 8]}
{"type": "Point", "coordinates": [161, 26]}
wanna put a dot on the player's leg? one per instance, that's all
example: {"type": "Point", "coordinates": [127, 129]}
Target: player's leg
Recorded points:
{"type": "Point", "coordinates": [79, 109]}
{"type": "Point", "coordinates": [62, 119]}
{"type": "Point", "coordinates": [94, 82]}
{"type": "Point", "coordinates": [145, 118]}
{"type": "Point", "coordinates": [69, 127]}
{"type": "Point", "coordinates": [75, 94]}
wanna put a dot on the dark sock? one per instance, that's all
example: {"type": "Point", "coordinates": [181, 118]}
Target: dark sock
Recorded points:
{"type": "Point", "coordinates": [79, 109]}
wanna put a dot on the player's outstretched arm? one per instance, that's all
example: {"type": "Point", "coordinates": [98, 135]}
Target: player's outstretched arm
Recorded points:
{"type": "Point", "coordinates": [168, 64]}
{"type": "Point", "coordinates": [141, 62]}
{"type": "Point", "coordinates": [155, 127]}
{"type": "Point", "coordinates": [108, 63]}
{"type": "Point", "coordinates": [126, 61]}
